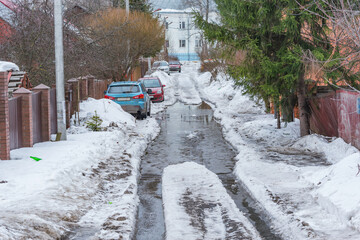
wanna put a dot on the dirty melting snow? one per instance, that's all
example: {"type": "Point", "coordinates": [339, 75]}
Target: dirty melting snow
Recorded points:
{"type": "Point", "coordinates": [87, 186]}
{"type": "Point", "coordinates": [46, 199]}
{"type": "Point", "coordinates": [306, 197]}
{"type": "Point", "coordinates": [197, 206]}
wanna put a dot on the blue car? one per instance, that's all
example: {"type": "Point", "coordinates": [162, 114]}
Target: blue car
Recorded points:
{"type": "Point", "coordinates": [132, 96]}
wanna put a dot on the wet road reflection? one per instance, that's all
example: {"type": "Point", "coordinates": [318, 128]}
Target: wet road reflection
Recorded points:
{"type": "Point", "coordinates": [188, 133]}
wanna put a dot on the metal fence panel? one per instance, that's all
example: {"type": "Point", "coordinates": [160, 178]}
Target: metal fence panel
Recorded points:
{"type": "Point", "coordinates": [15, 123]}
{"type": "Point", "coordinates": [36, 111]}
{"type": "Point", "coordinates": [53, 110]}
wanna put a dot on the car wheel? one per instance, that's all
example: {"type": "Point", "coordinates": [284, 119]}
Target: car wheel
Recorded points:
{"type": "Point", "coordinates": [180, 71]}
{"type": "Point", "coordinates": [149, 112]}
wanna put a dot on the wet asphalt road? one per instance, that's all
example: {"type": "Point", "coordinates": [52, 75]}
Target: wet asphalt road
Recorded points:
{"type": "Point", "coordinates": [189, 133]}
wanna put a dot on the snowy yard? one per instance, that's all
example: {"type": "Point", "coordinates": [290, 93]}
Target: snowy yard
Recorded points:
{"type": "Point", "coordinates": [86, 187]}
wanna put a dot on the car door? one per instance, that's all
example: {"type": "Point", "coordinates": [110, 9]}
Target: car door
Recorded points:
{"type": "Point", "coordinates": [146, 96]}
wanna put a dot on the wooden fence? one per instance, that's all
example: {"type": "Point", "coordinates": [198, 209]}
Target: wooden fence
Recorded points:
{"type": "Point", "coordinates": [335, 115]}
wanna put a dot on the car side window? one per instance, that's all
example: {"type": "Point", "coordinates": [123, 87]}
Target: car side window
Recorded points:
{"type": "Point", "coordinates": [143, 87]}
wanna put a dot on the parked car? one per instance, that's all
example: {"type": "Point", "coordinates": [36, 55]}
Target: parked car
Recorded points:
{"type": "Point", "coordinates": [175, 66]}
{"type": "Point", "coordinates": [161, 66]}
{"type": "Point", "coordinates": [132, 96]}
{"type": "Point", "coordinates": [157, 89]}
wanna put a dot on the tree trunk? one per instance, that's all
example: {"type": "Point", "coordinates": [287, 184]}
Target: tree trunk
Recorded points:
{"type": "Point", "coordinates": [278, 119]}
{"type": "Point", "coordinates": [303, 106]}
{"type": "Point", "coordinates": [116, 3]}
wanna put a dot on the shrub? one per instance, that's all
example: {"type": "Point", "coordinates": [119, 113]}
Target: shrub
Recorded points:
{"type": "Point", "coordinates": [94, 123]}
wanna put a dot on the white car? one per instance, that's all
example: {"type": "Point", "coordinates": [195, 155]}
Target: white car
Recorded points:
{"type": "Point", "coordinates": [161, 66]}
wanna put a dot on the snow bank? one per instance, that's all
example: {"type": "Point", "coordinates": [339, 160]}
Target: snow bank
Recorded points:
{"type": "Point", "coordinates": [305, 201]}
{"type": "Point", "coordinates": [197, 206]}
{"type": "Point", "coordinates": [45, 199]}
{"type": "Point", "coordinates": [335, 150]}
{"type": "Point", "coordinates": [110, 112]}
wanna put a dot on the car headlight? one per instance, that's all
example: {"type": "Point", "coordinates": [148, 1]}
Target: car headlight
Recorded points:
{"type": "Point", "coordinates": [159, 91]}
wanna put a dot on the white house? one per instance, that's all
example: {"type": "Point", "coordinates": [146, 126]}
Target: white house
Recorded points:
{"type": "Point", "coordinates": [183, 38]}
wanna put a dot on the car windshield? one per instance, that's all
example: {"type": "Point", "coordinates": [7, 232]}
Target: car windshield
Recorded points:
{"type": "Point", "coordinates": [156, 64]}
{"type": "Point", "coordinates": [174, 63]}
{"type": "Point", "coordinates": [164, 64]}
{"type": "Point", "coordinates": [124, 89]}
{"type": "Point", "coordinates": [151, 83]}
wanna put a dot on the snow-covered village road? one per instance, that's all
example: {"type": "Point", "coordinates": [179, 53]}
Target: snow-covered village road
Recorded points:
{"type": "Point", "coordinates": [87, 187]}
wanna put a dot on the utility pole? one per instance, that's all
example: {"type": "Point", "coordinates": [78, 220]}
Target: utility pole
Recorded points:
{"type": "Point", "coordinates": [188, 33]}
{"type": "Point", "coordinates": [59, 62]}
{"type": "Point", "coordinates": [127, 7]}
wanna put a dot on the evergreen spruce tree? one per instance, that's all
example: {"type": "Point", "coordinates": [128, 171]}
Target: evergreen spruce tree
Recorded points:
{"type": "Point", "coordinates": [271, 37]}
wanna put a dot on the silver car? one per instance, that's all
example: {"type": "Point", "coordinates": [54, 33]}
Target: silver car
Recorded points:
{"type": "Point", "coordinates": [161, 66]}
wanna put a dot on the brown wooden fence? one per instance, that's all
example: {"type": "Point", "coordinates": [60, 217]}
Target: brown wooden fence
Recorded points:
{"type": "Point", "coordinates": [36, 115]}
{"type": "Point", "coordinates": [15, 123]}
{"type": "Point", "coordinates": [335, 115]}
{"type": "Point", "coordinates": [53, 111]}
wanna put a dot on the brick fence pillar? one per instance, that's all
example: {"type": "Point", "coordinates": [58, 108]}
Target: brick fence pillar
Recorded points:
{"type": "Point", "coordinates": [4, 118]}
{"type": "Point", "coordinates": [45, 110]}
{"type": "Point", "coordinates": [27, 120]}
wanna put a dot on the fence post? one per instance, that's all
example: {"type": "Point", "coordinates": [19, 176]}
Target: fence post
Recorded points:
{"type": "Point", "coordinates": [4, 118]}
{"type": "Point", "coordinates": [26, 115]}
{"type": "Point", "coordinates": [83, 88]}
{"type": "Point", "coordinates": [91, 83]}
{"type": "Point", "coordinates": [45, 110]}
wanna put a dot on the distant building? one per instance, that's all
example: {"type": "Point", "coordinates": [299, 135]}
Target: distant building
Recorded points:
{"type": "Point", "coordinates": [6, 11]}
{"type": "Point", "coordinates": [183, 38]}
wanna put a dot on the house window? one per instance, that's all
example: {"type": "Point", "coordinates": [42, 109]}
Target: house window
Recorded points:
{"type": "Point", "coordinates": [182, 25]}
{"type": "Point", "coordinates": [167, 43]}
{"type": "Point", "coordinates": [198, 43]}
{"type": "Point", "coordinates": [181, 43]}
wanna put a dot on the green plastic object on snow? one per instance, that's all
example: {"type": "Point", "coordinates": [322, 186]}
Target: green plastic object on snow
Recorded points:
{"type": "Point", "coordinates": [35, 158]}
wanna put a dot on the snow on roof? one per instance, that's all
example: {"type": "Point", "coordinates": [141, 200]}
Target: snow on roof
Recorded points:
{"type": "Point", "coordinates": [187, 10]}
{"type": "Point", "coordinates": [8, 66]}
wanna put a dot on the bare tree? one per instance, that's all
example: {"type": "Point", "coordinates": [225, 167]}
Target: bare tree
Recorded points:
{"type": "Point", "coordinates": [111, 30]}
{"type": "Point", "coordinates": [343, 15]}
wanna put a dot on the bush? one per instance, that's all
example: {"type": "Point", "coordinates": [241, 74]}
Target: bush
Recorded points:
{"type": "Point", "coordinates": [94, 123]}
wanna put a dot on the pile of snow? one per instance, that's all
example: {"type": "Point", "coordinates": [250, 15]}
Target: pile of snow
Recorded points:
{"type": "Point", "coordinates": [337, 189]}
{"type": "Point", "coordinates": [110, 113]}
{"type": "Point", "coordinates": [197, 206]}
{"type": "Point", "coordinates": [8, 66]}
{"type": "Point", "coordinates": [304, 201]}
{"type": "Point", "coordinates": [335, 150]}
{"type": "Point", "coordinates": [45, 199]}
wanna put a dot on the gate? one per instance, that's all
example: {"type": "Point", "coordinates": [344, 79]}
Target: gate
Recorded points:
{"type": "Point", "coordinates": [15, 127]}
{"type": "Point", "coordinates": [36, 111]}
{"type": "Point", "coordinates": [53, 111]}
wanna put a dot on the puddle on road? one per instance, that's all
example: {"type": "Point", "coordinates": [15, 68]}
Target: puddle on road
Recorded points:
{"type": "Point", "coordinates": [189, 133]}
